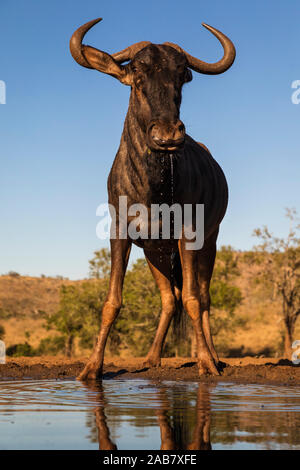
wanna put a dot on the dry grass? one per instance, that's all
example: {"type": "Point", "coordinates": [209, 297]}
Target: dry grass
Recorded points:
{"type": "Point", "coordinates": [264, 329]}
{"type": "Point", "coordinates": [23, 296]}
{"type": "Point", "coordinates": [24, 299]}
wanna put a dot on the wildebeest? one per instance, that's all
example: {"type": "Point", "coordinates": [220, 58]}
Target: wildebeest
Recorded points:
{"type": "Point", "coordinates": [153, 146]}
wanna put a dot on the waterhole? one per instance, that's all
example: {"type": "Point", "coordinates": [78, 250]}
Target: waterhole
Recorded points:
{"type": "Point", "coordinates": [139, 414]}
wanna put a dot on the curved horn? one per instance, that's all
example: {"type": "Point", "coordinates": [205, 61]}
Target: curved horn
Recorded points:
{"type": "Point", "coordinates": [129, 52]}
{"type": "Point", "coordinates": [76, 43]}
{"type": "Point", "coordinates": [93, 58]}
{"type": "Point", "coordinates": [218, 67]}
{"type": "Point", "coordinates": [76, 46]}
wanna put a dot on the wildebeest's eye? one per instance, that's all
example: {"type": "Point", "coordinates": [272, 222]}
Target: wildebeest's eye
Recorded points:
{"type": "Point", "coordinates": [138, 76]}
{"type": "Point", "coordinates": [139, 80]}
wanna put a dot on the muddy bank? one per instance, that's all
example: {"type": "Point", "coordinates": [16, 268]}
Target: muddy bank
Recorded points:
{"type": "Point", "coordinates": [243, 370]}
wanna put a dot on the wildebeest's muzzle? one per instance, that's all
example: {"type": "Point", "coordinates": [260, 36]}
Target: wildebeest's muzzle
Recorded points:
{"type": "Point", "coordinates": [164, 135]}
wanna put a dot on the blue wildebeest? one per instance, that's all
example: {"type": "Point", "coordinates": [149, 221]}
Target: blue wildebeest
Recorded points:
{"type": "Point", "coordinates": [153, 145]}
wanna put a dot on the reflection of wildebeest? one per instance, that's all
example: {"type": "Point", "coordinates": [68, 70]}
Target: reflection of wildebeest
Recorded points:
{"type": "Point", "coordinates": [153, 140]}
{"type": "Point", "coordinates": [180, 428]}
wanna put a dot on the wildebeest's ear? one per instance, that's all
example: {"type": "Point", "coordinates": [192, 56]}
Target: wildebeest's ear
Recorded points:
{"type": "Point", "coordinates": [105, 63]}
{"type": "Point", "coordinates": [92, 58]}
{"type": "Point", "coordinates": [188, 76]}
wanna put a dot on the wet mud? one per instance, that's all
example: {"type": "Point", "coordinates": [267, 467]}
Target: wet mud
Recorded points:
{"type": "Point", "coordinates": [240, 370]}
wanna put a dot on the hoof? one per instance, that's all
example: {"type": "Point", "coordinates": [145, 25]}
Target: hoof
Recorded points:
{"type": "Point", "coordinates": [90, 372]}
{"type": "Point", "coordinates": [207, 366]}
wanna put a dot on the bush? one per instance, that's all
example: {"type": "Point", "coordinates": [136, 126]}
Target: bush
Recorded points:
{"type": "Point", "coordinates": [51, 345]}
{"type": "Point", "coordinates": [21, 349]}
{"type": "Point", "coordinates": [13, 274]}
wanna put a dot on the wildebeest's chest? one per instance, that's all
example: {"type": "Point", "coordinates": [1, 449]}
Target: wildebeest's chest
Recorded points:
{"type": "Point", "coordinates": [161, 178]}
{"type": "Point", "coordinates": [188, 177]}
{"type": "Point", "coordinates": [158, 179]}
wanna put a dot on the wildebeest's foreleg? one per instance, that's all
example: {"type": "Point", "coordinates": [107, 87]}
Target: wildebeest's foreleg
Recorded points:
{"type": "Point", "coordinates": [120, 250]}
{"type": "Point", "coordinates": [161, 269]}
{"type": "Point", "coordinates": [98, 395]}
{"type": "Point", "coordinates": [192, 304]}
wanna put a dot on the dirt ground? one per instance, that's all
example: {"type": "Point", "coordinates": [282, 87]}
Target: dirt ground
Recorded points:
{"type": "Point", "coordinates": [243, 370]}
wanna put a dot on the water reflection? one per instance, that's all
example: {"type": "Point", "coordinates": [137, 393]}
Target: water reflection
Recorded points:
{"type": "Point", "coordinates": [171, 417]}
{"type": "Point", "coordinates": [174, 431]}
{"type": "Point", "coordinates": [139, 414]}
{"type": "Point", "coordinates": [203, 417]}
{"type": "Point", "coordinates": [105, 443]}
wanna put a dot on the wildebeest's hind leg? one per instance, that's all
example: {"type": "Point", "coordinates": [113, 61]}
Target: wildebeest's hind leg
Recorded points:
{"type": "Point", "coordinates": [161, 268]}
{"type": "Point", "coordinates": [120, 250]}
{"type": "Point", "coordinates": [192, 303]}
{"type": "Point", "coordinates": [206, 261]}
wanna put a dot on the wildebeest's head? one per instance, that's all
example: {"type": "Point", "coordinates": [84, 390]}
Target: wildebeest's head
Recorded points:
{"type": "Point", "coordinates": [156, 74]}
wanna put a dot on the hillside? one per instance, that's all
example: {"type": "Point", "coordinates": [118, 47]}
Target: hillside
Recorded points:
{"type": "Point", "coordinates": [24, 300]}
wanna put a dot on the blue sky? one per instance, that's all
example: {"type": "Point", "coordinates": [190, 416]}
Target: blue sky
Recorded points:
{"type": "Point", "coordinates": [61, 124]}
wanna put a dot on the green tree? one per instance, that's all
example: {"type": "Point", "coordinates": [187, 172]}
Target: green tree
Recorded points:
{"type": "Point", "coordinates": [51, 345]}
{"type": "Point", "coordinates": [138, 319]}
{"type": "Point", "coordinates": [92, 297]}
{"type": "Point", "coordinates": [79, 313]}
{"type": "Point", "coordinates": [67, 320]}
{"type": "Point", "coordinates": [226, 265]}
{"type": "Point", "coordinates": [100, 264]}
{"type": "Point", "coordinates": [225, 298]}
{"type": "Point", "coordinates": [279, 261]}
